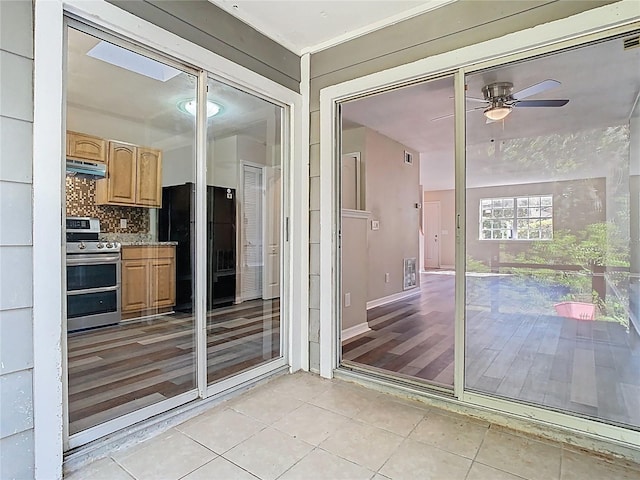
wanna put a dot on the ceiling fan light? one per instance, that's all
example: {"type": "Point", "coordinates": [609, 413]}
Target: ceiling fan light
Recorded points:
{"type": "Point", "coordinates": [191, 107]}
{"type": "Point", "coordinates": [497, 113]}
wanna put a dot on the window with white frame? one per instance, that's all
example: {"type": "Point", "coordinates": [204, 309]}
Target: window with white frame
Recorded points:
{"type": "Point", "coordinates": [517, 218]}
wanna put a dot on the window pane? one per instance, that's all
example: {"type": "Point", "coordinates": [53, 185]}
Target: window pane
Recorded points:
{"type": "Point", "coordinates": [133, 344]}
{"type": "Point", "coordinates": [244, 205]}
{"type": "Point", "coordinates": [561, 331]}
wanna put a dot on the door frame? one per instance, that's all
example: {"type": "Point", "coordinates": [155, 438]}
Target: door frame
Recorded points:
{"type": "Point", "coordinates": [438, 229]}
{"type": "Point", "coordinates": [48, 216]}
{"type": "Point", "coordinates": [591, 25]}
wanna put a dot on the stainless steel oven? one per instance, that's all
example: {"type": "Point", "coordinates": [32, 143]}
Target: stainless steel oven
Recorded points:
{"type": "Point", "coordinates": [93, 276]}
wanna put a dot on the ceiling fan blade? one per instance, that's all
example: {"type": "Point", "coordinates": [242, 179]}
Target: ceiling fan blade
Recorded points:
{"type": "Point", "coordinates": [451, 114]}
{"type": "Point", "coordinates": [541, 103]}
{"type": "Point", "coordinates": [474, 99]}
{"type": "Point", "coordinates": [537, 88]}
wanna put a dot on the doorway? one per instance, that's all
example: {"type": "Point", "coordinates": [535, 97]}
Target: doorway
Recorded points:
{"type": "Point", "coordinates": [396, 320]}
{"type": "Point", "coordinates": [431, 232]}
{"type": "Point", "coordinates": [139, 187]}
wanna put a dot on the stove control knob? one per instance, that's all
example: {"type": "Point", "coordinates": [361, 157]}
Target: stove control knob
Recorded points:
{"type": "Point", "coordinates": [109, 245]}
{"type": "Point", "coordinates": [100, 245]}
{"type": "Point", "coordinates": [82, 246]}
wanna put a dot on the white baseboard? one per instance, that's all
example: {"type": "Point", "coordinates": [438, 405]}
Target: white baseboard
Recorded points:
{"type": "Point", "coordinates": [392, 298]}
{"type": "Point", "coordinates": [355, 330]}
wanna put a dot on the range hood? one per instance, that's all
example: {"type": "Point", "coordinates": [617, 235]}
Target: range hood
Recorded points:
{"type": "Point", "coordinates": [82, 168]}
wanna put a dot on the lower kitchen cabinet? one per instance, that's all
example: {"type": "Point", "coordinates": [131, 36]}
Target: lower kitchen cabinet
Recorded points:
{"type": "Point", "coordinates": [148, 279]}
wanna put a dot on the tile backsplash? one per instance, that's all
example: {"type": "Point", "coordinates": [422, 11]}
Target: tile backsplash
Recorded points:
{"type": "Point", "coordinates": [81, 194]}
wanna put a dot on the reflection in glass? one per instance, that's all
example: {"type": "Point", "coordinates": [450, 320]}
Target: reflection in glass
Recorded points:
{"type": "Point", "coordinates": [244, 244]}
{"type": "Point", "coordinates": [397, 278]}
{"type": "Point", "coordinates": [551, 311]}
{"type": "Point", "coordinates": [130, 318]}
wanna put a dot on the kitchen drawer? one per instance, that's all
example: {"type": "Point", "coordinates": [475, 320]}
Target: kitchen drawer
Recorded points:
{"type": "Point", "coordinates": [144, 252]}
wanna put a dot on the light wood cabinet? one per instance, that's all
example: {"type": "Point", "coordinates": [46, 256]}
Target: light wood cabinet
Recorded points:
{"type": "Point", "coordinates": [86, 147]}
{"type": "Point", "coordinates": [148, 279]}
{"type": "Point", "coordinates": [134, 177]}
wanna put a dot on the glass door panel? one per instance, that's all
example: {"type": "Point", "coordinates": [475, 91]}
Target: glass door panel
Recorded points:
{"type": "Point", "coordinates": [131, 338]}
{"type": "Point", "coordinates": [243, 222]}
{"type": "Point", "coordinates": [398, 233]}
{"type": "Point", "coordinates": [552, 232]}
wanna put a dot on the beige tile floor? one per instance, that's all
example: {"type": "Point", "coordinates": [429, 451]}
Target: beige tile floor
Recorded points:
{"type": "Point", "coordinates": [303, 427]}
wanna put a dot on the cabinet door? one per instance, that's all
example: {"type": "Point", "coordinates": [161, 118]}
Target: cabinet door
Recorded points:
{"type": "Point", "coordinates": [86, 147]}
{"type": "Point", "coordinates": [122, 173]}
{"type": "Point", "coordinates": [163, 282]}
{"type": "Point", "coordinates": [135, 285]}
{"type": "Point", "coordinates": [149, 177]}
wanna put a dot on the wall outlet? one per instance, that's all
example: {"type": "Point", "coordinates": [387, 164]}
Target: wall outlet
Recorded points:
{"type": "Point", "coordinates": [347, 299]}
{"type": "Point", "coordinates": [387, 277]}
{"type": "Point", "coordinates": [123, 223]}
{"type": "Point", "coordinates": [375, 224]}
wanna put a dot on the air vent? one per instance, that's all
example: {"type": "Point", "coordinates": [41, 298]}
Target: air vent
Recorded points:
{"type": "Point", "coordinates": [631, 42]}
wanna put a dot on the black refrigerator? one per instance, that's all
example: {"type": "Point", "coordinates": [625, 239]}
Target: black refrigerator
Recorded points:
{"type": "Point", "coordinates": [176, 223]}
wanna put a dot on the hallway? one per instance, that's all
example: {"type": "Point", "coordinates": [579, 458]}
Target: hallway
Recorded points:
{"type": "Point", "coordinates": [303, 427]}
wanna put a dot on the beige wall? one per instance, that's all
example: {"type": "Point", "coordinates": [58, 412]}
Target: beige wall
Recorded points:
{"type": "Point", "coordinates": [447, 201]}
{"type": "Point", "coordinates": [391, 190]}
{"type": "Point", "coordinates": [354, 270]}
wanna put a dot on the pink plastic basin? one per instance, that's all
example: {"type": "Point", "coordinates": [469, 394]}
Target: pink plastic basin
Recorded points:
{"type": "Point", "coordinates": [577, 310]}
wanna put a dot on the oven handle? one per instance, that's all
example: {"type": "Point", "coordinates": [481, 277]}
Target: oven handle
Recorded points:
{"type": "Point", "coordinates": [93, 290]}
{"type": "Point", "coordinates": [98, 259]}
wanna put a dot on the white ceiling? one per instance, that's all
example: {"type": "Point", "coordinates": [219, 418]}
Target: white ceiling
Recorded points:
{"type": "Point", "coordinates": [308, 25]}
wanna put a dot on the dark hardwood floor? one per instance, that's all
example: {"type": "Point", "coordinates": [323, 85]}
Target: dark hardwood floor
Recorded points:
{"type": "Point", "coordinates": [529, 353]}
{"type": "Point", "coordinates": [117, 369]}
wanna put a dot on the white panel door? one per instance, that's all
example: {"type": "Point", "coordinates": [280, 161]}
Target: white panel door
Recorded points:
{"type": "Point", "coordinates": [271, 271]}
{"type": "Point", "coordinates": [252, 233]}
{"type": "Point", "coordinates": [432, 234]}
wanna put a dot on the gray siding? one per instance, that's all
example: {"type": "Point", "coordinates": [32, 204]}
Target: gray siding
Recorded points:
{"type": "Point", "coordinates": [448, 28]}
{"type": "Point", "coordinates": [16, 326]}
{"type": "Point", "coordinates": [207, 25]}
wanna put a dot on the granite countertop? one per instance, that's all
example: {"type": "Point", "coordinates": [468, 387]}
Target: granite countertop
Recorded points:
{"type": "Point", "coordinates": [143, 243]}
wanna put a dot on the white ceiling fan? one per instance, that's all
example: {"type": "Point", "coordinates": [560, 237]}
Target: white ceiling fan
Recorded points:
{"type": "Point", "coordinates": [499, 99]}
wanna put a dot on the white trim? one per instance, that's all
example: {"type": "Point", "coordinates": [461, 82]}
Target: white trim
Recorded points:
{"type": "Point", "coordinates": [48, 264]}
{"type": "Point", "coordinates": [123, 421]}
{"type": "Point", "coordinates": [356, 330]}
{"type": "Point", "coordinates": [444, 267]}
{"type": "Point", "coordinates": [581, 426]}
{"type": "Point", "coordinates": [48, 197]}
{"type": "Point", "coordinates": [595, 23]}
{"type": "Point", "coordinates": [246, 376]}
{"type": "Point", "coordinates": [460, 281]}
{"type": "Point", "coordinates": [372, 27]}
{"type": "Point", "coordinates": [393, 298]}
{"type": "Point", "coordinates": [299, 225]}
{"type": "Point", "coordinates": [348, 213]}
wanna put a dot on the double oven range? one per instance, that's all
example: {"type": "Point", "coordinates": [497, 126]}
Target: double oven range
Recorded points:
{"type": "Point", "coordinates": [93, 276]}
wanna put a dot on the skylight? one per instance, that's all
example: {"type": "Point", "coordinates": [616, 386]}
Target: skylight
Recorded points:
{"type": "Point", "coordinates": [134, 62]}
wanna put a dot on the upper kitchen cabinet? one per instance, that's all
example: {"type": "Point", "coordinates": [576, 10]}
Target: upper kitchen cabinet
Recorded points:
{"type": "Point", "coordinates": [134, 177]}
{"type": "Point", "coordinates": [86, 147]}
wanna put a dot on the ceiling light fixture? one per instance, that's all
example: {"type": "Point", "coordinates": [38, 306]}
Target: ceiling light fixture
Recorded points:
{"type": "Point", "coordinates": [191, 107]}
{"type": "Point", "coordinates": [497, 112]}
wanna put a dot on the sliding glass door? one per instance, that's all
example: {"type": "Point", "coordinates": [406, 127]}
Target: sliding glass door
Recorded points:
{"type": "Point", "coordinates": [175, 246]}
{"type": "Point", "coordinates": [552, 232]}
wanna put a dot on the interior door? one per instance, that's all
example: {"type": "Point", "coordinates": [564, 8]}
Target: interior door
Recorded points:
{"type": "Point", "coordinates": [271, 271]}
{"type": "Point", "coordinates": [252, 232]}
{"type": "Point", "coordinates": [431, 235]}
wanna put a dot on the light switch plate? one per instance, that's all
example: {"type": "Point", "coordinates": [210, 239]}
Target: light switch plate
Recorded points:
{"type": "Point", "coordinates": [123, 223]}
{"type": "Point", "coordinates": [347, 299]}
{"type": "Point", "coordinates": [375, 224]}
